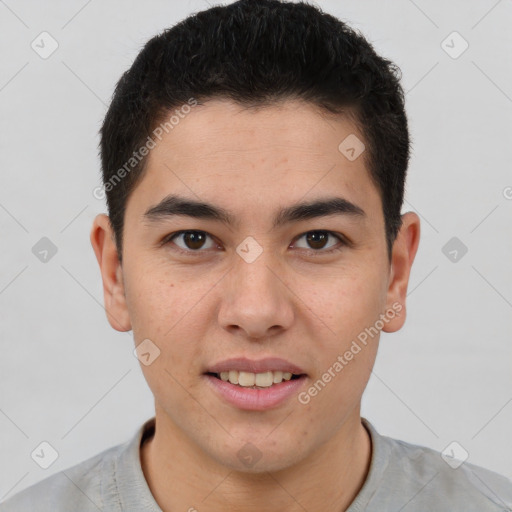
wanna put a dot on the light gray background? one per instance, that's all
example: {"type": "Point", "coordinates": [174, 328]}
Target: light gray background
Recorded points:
{"type": "Point", "coordinates": [68, 378]}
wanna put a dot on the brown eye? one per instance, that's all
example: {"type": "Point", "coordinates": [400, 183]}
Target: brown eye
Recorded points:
{"type": "Point", "coordinates": [318, 240]}
{"type": "Point", "coordinates": [192, 241]}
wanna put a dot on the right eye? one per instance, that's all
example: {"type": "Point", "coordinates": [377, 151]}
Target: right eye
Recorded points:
{"type": "Point", "coordinates": [192, 240]}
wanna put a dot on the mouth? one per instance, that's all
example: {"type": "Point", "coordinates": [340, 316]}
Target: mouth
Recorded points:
{"type": "Point", "coordinates": [255, 385]}
{"type": "Point", "coordinates": [251, 380]}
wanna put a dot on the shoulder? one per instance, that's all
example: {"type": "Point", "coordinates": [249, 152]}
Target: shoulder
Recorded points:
{"type": "Point", "coordinates": [79, 487]}
{"type": "Point", "coordinates": [419, 478]}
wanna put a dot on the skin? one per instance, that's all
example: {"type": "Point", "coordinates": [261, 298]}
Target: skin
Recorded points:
{"type": "Point", "coordinates": [292, 302]}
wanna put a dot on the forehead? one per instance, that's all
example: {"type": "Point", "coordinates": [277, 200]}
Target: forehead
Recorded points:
{"type": "Point", "coordinates": [221, 125]}
{"type": "Point", "coordinates": [228, 153]}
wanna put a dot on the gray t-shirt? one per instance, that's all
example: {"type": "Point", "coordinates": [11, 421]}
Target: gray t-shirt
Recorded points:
{"type": "Point", "coordinates": [403, 477]}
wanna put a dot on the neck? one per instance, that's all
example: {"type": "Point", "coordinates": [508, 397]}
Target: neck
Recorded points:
{"type": "Point", "coordinates": [182, 477]}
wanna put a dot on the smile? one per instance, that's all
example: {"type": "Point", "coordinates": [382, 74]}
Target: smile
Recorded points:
{"type": "Point", "coordinates": [255, 380]}
{"type": "Point", "coordinates": [251, 397]}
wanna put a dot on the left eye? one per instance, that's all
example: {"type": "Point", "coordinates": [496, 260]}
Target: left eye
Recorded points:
{"type": "Point", "coordinates": [193, 241]}
{"type": "Point", "coordinates": [318, 239]}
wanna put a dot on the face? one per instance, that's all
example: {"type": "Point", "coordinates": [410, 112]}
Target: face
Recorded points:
{"type": "Point", "coordinates": [255, 276]}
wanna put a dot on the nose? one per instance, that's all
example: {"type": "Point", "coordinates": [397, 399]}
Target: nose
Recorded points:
{"type": "Point", "coordinates": [256, 300]}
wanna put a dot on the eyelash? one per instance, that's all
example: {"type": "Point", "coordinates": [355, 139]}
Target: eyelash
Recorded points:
{"type": "Point", "coordinates": [316, 252]}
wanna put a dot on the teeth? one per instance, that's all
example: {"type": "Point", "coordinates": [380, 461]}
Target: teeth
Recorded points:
{"type": "Point", "coordinates": [264, 380]}
{"type": "Point", "coordinates": [248, 379]}
{"type": "Point", "coordinates": [278, 377]}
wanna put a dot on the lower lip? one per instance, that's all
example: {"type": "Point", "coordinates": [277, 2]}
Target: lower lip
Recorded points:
{"type": "Point", "coordinates": [256, 399]}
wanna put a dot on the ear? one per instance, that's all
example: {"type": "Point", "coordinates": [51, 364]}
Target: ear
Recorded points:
{"type": "Point", "coordinates": [402, 257]}
{"type": "Point", "coordinates": [103, 243]}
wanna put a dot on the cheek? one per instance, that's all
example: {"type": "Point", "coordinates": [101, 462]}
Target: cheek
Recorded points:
{"type": "Point", "coordinates": [346, 304]}
{"type": "Point", "coordinates": [157, 308]}
{"type": "Point", "coordinates": [161, 309]}
{"type": "Point", "coordinates": [349, 305]}
{"type": "Point", "coordinates": [157, 299]}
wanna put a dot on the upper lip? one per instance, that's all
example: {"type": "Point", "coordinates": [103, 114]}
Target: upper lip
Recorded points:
{"type": "Point", "coordinates": [268, 364]}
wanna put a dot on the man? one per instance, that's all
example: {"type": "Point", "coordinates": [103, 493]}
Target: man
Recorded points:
{"type": "Point", "coordinates": [254, 159]}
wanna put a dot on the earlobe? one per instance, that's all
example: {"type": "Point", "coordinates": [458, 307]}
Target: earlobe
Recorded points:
{"type": "Point", "coordinates": [402, 258]}
{"type": "Point", "coordinates": [103, 243]}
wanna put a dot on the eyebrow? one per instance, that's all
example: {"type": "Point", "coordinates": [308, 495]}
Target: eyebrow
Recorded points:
{"type": "Point", "coordinates": [173, 205]}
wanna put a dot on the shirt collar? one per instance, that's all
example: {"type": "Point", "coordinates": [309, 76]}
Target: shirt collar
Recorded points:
{"type": "Point", "coordinates": [130, 489]}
